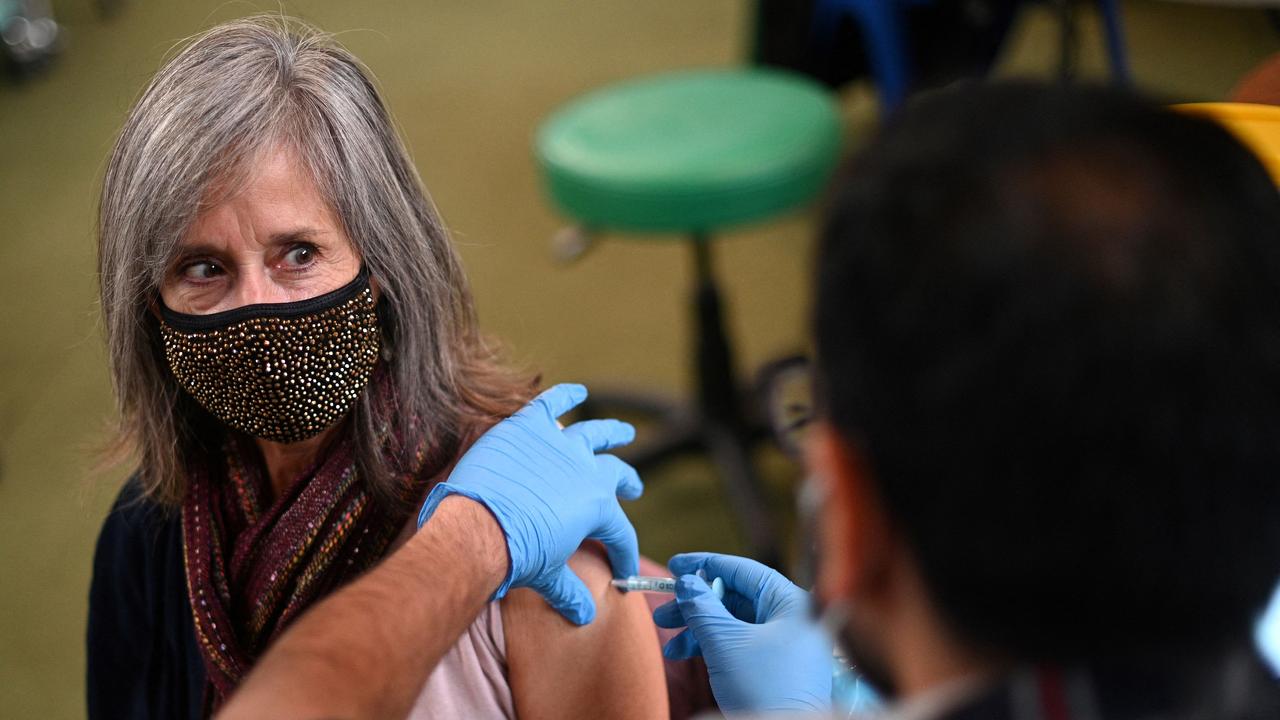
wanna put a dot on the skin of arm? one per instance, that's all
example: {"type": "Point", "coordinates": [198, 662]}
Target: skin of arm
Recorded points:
{"type": "Point", "coordinates": [611, 668]}
{"type": "Point", "coordinates": [348, 656]}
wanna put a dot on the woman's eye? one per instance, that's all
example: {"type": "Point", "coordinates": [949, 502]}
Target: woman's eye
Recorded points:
{"type": "Point", "coordinates": [300, 256]}
{"type": "Point", "coordinates": [202, 270]}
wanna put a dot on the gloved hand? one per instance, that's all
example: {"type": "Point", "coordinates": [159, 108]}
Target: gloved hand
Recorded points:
{"type": "Point", "coordinates": [763, 651]}
{"type": "Point", "coordinates": [549, 491]}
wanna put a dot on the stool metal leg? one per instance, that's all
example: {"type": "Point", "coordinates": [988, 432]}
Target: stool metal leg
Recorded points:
{"type": "Point", "coordinates": [742, 489]}
{"type": "Point", "coordinates": [717, 379]}
{"type": "Point", "coordinates": [1113, 29]}
{"type": "Point", "coordinates": [727, 431]}
{"type": "Point", "coordinates": [718, 424]}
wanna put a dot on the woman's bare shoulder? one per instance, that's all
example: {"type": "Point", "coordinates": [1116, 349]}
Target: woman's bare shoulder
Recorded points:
{"type": "Point", "coordinates": [609, 668]}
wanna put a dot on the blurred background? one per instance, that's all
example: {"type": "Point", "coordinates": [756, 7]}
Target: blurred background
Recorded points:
{"type": "Point", "coordinates": [468, 82]}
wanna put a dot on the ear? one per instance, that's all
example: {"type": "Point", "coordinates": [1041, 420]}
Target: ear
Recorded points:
{"type": "Point", "coordinates": [854, 536]}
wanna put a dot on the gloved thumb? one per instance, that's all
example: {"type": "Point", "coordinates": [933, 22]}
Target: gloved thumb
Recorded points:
{"type": "Point", "coordinates": [682, 646]}
{"type": "Point", "coordinates": [569, 596]}
{"type": "Point", "coordinates": [703, 614]}
{"type": "Point", "coordinates": [698, 602]}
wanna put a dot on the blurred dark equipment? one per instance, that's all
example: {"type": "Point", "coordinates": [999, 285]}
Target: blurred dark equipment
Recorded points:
{"type": "Point", "coordinates": [1113, 34]}
{"type": "Point", "coordinates": [29, 34]}
{"type": "Point", "coordinates": [910, 45]}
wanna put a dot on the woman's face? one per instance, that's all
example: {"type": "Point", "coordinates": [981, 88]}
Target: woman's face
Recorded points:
{"type": "Point", "coordinates": [274, 240]}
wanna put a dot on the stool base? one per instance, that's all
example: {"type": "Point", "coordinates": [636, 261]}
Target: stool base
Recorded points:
{"type": "Point", "coordinates": [719, 423]}
{"type": "Point", "coordinates": [681, 431]}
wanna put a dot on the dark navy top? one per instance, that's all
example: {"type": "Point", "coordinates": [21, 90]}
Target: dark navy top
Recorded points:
{"type": "Point", "coordinates": [143, 661]}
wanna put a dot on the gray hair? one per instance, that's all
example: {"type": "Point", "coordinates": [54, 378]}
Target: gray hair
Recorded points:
{"type": "Point", "coordinates": [227, 95]}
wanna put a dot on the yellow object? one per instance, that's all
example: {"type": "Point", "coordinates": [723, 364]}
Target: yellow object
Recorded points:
{"type": "Point", "coordinates": [1257, 126]}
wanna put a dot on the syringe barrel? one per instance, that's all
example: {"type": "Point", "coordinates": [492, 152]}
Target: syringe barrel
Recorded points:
{"type": "Point", "coordinates": [646, 583]}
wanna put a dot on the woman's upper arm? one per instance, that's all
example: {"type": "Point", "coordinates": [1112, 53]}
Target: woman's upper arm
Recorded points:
{"type": "Point", "coordinates": [118, 625]}
{"type": "Point", "coordinates": [611, 668]}
{"type": "Point", "coordinates": [143, 661]}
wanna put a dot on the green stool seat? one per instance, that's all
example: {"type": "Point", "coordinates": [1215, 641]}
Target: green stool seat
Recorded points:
{"type": "Point", "coordinates": [690, 151]}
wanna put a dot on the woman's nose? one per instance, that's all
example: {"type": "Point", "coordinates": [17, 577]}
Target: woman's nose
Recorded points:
{"type": "Point", "coordinates": [254, 287]}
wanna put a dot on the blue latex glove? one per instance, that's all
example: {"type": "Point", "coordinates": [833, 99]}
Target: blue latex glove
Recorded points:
{"type": "Point", "coordinates": [1267, 633]}
{"type": "Point", "coordinates": [763, 651]}
{"type": "Point", "coordinates": [550, 491]}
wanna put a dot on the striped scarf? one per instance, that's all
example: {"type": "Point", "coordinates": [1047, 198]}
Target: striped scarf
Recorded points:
{"type": "Point", "coordinates": [254, 565]}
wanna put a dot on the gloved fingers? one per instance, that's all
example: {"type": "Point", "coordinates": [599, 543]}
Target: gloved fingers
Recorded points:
{"type": "Point", "coordinates": [699, 605]}
{"type": "Point", "coordinates": [598, 435]}
{"type": "Point", "coordinates": [629, 485]}
{"type": "Point", "coordinates": [690, 563]}
{"type": "Point", "coordinates": [741, 603]}
{"type": "Point", "coordinates": [682, 647]}
{"type": "Point", "coordinates": [742, 575]}
{"type": "Point", "coordinates": [569, 596]}
{"type": "Point", "coordinates": [740, 606]}
{"type": "Point", "coordinates": [788, 600]}
{"type": "Point", "coordinates": [668, 616]}
{"type": "Point", "coordinates": [620, 542]}
{"type": "Point", "coordinates": [557, 400]}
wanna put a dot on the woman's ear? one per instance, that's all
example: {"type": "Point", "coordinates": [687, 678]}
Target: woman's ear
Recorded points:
{"type": "Point", "coordinates": [854, 534]}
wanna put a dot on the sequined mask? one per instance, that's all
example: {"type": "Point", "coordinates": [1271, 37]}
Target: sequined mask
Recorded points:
{"type": "Point", "coordinates": [278, 371]}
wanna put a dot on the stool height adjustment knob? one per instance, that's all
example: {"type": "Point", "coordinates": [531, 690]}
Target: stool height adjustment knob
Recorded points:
{"type": "Point", "coordinates": [570, 243]}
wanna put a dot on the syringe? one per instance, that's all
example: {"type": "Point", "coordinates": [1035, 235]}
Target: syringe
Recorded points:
{"type": "Point", "coordinates": [646, 583]}
{"type": "Point", "coordinates": [649, 583]}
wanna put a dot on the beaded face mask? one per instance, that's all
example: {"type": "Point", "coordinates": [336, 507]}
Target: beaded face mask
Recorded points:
{"type": "Point", "coordinates": [278, 371]}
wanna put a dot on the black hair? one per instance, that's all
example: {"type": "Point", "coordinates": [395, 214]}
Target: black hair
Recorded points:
{"type": "Point", "coordinates": [1049, 318]}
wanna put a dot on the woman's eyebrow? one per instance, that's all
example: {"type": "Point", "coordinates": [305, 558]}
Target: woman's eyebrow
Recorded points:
{"type": "Point", "coordinates": [184, 251]}
{"type": "Point", "coordinates": [293, 236]}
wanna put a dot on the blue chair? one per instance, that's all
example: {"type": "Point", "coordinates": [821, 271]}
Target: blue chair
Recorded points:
{"type": "Point", "coordinates": [883, 31]}
{"type": "Point", "coordinates": [1113, 29]}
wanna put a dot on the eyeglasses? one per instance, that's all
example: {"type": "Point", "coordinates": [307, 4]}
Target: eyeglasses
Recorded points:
{"type": "Point", "coordinates": [789, 402]}
{"type": "Point", "coordinates": [787, 394]}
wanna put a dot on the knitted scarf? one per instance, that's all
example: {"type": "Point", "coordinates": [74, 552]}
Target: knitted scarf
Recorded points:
{"type": "Point", "coordinates": [254, 565]}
